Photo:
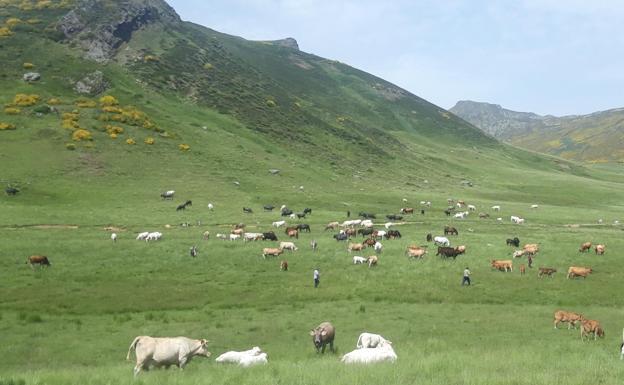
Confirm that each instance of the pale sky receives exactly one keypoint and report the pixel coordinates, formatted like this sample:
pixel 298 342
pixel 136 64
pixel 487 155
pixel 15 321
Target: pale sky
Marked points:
pixel 556 57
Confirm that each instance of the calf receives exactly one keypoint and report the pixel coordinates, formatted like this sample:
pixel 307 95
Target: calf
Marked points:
pixel 40 260
pixel 567 316
pixel 589 327
pixel 284 266
pixel 357 260
pixel 586 246
pixel 416 252
pixel 600 249
pixel 372 261
pixel 502 265
pixel 549 271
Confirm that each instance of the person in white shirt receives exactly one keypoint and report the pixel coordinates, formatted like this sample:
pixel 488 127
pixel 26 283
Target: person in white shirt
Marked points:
pixel 466 277
pixel 317 277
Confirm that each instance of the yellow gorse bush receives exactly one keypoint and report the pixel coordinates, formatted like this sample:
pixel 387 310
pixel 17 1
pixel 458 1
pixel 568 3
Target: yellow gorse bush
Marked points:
pixel 110 129
pixel 5 32
pixel 12 22
pixel 184 147
pixel 150 58
pixel 130 141
pixel 28 66
pixel 112 109
pixel 81 134
pixel 54 102
pixel 6 126
pixel 108 100
pixel 86 103
pixel 24 100
pixel 12 111
pixel 149 140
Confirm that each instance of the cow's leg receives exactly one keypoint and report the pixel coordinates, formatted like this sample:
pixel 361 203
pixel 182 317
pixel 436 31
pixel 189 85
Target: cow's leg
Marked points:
pixel 323 348
pixel 331 346
pixel 182 361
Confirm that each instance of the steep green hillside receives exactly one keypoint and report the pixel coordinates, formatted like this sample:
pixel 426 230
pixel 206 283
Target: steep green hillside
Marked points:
pixel 592 138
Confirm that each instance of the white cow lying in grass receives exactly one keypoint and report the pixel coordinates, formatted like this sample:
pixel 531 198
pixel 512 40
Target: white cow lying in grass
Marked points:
pixel 370 340
pixel 248 361
pixel 383 352
pixel 441 241
pixel 236 357
pixel 357 260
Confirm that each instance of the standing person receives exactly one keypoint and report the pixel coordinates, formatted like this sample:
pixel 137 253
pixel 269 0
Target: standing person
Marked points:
pixel 530 260
pixel 348 214
pixel 466 277
pixel 193 251
pixel 317 277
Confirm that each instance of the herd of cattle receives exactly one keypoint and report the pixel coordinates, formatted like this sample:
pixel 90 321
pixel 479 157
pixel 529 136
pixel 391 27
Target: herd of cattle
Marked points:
pixel 178 351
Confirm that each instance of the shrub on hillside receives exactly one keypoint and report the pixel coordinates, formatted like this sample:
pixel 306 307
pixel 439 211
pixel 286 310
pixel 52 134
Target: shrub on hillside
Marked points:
pixel 150 58
pixel 110 129
pixel 271 103
pixel 5 32
pixel 81 134
pixel 108 100
pixel 54 101
pixel 12 22
pixel 6 126
pixel 112 109
pixel 112 135
pixel 130 141
pixel 208 66
pixel 83 103
pixel 12 111
pixel 70 146
pixel 28 66
pixel 25 100
pixel 149 140
pixel 184 147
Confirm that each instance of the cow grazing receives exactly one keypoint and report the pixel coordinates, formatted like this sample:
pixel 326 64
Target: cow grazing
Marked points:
pixel 12 191
pixel 392 234
pixel 294 233
pixel 268 207
pixel 288 246
pixel 114 237
pixel 168 194
pixel 441 241
pixel 366 223
pixel 586 246
pixel 379 234
pixel 365 232
pixel 178 351
pixel 472 208
pixel 370 242
pixel 284 265
pixel 206 235
pixel 300 215
pixel 355 247
pixel 522 270
pixel 286 212
pixel 155 236
pixel 235 357
pixel 357 260
pixel 181 207
pixel 393 217
pixel 589 327
pixel 247 210
pixel 279 224
pixel 369 340
pixel 515 241
pixel 503 265
pixel 448 230
pixel 378 247
pixel 269 236
pixel 307 210
pixel 341 237
pixel 323 335
pixel 332 226
pixel 567 316
pixel 575 271
pixel 367 215
pixel 372 261
pixel 234 237
pixel 248 237
pixel 448 252
pixel 40 260
pixel 314 245
pixel 384 352
pixel 600 249
pixel 271 251
pixel 407 210
pixel 416 252
pixel 303 227
pixel 549 271
pixel 484 215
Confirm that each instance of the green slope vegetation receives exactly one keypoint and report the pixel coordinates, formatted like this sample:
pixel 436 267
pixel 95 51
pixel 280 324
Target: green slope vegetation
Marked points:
pixel 353 141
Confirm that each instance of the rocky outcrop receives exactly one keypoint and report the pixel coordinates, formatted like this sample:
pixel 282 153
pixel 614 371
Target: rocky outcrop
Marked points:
pixel 100 30
pixel 92 84
pixel 289 42
pixel 31 77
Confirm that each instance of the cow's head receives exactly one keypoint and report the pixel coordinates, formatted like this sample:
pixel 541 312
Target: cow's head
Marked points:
pixel 599 332
pixel 203 348
pixel 317 336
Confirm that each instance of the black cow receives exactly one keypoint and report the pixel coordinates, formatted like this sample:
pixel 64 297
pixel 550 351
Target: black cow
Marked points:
pixel 341 237
pixel 448 230
pixel 307 210
pixel 393 217
pixel 286 212
pixel 513 242
pixel 193 251
pixel 448 252
pixel 269 236
pixel 247 210
pixel 367 215
pixel 301 215
pixel 447 212
pixel 181 207
pixel 365 232
pixel 303 227
pixel 188 203
pixel 429 237
pixel 11 190
pixel 268 207
pixel 391 234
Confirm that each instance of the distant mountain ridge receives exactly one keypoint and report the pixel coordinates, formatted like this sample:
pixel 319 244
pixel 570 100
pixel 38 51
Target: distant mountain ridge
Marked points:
pixel 595 137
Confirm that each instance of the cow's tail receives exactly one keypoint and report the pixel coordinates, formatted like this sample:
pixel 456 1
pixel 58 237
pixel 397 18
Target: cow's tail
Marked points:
pixel 132 347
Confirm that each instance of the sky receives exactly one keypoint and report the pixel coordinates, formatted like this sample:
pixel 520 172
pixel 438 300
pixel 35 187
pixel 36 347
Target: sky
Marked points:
pixel 558 57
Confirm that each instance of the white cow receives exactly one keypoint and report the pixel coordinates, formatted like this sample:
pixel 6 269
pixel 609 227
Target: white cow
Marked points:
pixel 210 206
pixel 353 222
pixel 222 236
pixel 366 223
pixel 369 340
pixel 168 194
pixel 142 236
pixel 153 236
pixel 247 361
pixel 499 219
pixel 234 237
pixel 178 351
pixel 279 224
pixel 378 247
pixel 461 215
pixel 357 260
pixel 114 237
pixel 472 207
pixel 381 233
pixel 496 208
pixel 293 216
pixel 514 219
pixel 387 225
pixel 520 221
pixel 441 241
pixel 534 206
pixel 288 246
pixel 370 355
pixel 252 236
pixel 235 357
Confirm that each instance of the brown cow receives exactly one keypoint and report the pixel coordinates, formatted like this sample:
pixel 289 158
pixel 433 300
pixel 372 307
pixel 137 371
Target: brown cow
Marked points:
pixel 416 252
pixel 284 265
pixel 356 247
pixel 271 251
pixel 567 316
pixel 549 271
pixel 370 242
pixel 40 260
pixel 575 271
pixel 522 270
pixel 585 247
pixel 407 210
pixel 591 326
pixel 600 249
pixel 372 260
pixel 238 231
pixel 293 233
pixel 502 265
pixel 531 248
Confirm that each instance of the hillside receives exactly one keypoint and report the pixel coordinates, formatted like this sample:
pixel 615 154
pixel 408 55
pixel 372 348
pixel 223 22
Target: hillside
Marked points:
pixel 591 138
